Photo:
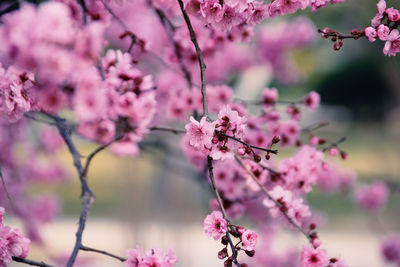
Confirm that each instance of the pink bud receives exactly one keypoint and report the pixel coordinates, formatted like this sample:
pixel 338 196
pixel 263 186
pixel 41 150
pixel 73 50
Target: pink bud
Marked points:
pixel 333 152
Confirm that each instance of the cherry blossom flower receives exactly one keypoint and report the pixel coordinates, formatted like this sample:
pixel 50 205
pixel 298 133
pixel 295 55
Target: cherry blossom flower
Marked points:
pixel 249 240
pixel 311 257
pixel 214 225
pixel 370 33
pixel 392 45
pixel 200 133
pixel 312 100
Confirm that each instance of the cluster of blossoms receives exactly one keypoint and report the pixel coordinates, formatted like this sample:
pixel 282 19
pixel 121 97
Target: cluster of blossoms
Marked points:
pixel 235 15
pixel 213 138
pixel 383 26
pixel 152 257
pixel 317 257
pixel 12 243
pixel 215 225
pixel 53 63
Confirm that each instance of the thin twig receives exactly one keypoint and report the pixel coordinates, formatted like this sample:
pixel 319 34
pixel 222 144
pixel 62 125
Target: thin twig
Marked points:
pixel 315 126
pixel 10 8
pixel 85 248
pixel 31 117
pixel 279 205
pixel 6 190
pixel 97 150
pixel 167 129
pixel 221 205
pixel 335 144
pixel 31 262
pixel 170 29
pixel 273 151
pixel 199 57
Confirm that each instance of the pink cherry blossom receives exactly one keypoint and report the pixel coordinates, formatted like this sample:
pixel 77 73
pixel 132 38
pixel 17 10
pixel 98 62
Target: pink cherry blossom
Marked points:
pixel 249 240
pixel 269 97
pixel 383 32
pixel 393 14
pixel 311 257
pixel 370 33
pixel 311 101
pixel 200 133
pixel 214 225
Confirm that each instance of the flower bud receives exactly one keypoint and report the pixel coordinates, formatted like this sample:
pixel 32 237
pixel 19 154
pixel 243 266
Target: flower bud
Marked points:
pixel 241 151
pixel 250 253
pixel 276 139
pixel 223 253
pixel 224 240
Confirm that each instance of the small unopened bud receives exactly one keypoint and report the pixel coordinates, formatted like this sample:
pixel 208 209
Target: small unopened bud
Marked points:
pixel 228 262
pixel 321 141
pixel 343 155
pixel 333 260
pixel 250 253
pixel 267 156
pixel 241 151
pixel 224 240
pixel 316 242
pixel 313 226
pixel 243 265
pixel 223 253
pixel 240 229
pixel 333 152
pixel 257 158
pixel 354 32
pixel 298 143
pixel 336 46
pixel 276 139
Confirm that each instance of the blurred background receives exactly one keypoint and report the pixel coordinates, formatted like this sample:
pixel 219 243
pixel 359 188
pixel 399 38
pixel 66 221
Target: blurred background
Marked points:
pixel 158 199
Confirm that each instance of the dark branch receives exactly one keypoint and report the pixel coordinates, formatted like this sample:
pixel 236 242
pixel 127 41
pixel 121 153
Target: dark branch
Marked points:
pixel 273 151
pixel 87 195
pixel 279 205
pixel 199 57
pixel 31 262
pixel 221 205
pixel 85 248
pixel 167 129
pixel 97 150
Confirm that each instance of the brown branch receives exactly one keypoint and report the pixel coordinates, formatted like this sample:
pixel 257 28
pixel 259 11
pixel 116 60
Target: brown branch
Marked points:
pixel 315 126
pixel 279 205
pixel 86 194
pixel 221 205
pixel 335 144
pixel 199 57
pixel 273 151
pixel 170 29
pixel 97 150
pixel 167 129
pixel 31 262
pixel 85 248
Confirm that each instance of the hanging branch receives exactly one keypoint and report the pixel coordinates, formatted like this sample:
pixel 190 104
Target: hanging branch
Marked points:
pixel 170 29
pixel 199 57
pixel 221 205
pixel 103 252
pixel 31 262
pixel 279 205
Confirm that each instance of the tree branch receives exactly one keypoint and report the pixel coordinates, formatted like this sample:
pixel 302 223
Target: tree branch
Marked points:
pixel 199 57
pixel 85 248
pixel 279 205
pixel 31 262
pixel 221 205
